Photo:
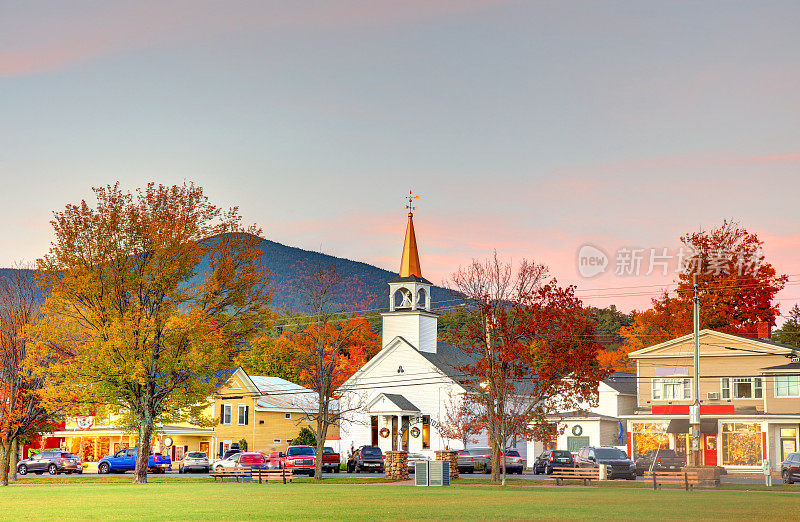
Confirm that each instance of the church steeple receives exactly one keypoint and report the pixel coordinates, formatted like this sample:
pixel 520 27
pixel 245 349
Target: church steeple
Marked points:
pixel 409 314
pixel 409 264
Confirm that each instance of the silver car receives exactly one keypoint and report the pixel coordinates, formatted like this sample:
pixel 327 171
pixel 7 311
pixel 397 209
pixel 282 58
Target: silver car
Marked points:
pixel 194 461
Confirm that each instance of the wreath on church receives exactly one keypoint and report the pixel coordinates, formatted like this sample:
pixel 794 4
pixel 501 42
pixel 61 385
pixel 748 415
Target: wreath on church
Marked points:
pixel 384 432
pixel 415 432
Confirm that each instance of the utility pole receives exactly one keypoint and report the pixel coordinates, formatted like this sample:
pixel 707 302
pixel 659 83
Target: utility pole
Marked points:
pixel 694 413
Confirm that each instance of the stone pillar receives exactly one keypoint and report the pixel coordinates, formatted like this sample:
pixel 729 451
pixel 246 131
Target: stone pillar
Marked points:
pixel 450 456
pixel 395 465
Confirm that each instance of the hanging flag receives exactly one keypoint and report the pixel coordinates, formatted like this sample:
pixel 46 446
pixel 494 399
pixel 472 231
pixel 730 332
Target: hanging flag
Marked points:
pixel 621 435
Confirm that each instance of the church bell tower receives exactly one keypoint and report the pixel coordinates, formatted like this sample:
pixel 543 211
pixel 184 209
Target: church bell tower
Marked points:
pixel 409 314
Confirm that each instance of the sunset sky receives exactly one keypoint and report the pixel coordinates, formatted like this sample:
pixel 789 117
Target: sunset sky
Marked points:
pixel 528 127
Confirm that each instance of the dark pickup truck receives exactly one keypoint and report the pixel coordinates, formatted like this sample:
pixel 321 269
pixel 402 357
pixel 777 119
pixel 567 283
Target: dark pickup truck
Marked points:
pixel 659 460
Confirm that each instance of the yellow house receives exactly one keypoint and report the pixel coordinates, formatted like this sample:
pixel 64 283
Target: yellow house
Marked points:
pixel 266 412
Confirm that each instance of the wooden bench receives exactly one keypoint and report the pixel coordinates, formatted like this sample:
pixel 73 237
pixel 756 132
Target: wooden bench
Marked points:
pixel 587 475
pixel 249 475
pixel 689 479
pixel 231 473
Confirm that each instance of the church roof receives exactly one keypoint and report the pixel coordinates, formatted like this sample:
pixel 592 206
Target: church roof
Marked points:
pixel 401 402
pixel 409 264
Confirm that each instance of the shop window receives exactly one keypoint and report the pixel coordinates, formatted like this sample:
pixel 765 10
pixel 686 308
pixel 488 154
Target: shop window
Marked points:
pixel 648 435
pixel 668 389
pixel 426 432
pixel 741 444
pixel 787 386
pixel 789 432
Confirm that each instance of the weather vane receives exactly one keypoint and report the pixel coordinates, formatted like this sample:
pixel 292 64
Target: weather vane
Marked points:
pixel 411 197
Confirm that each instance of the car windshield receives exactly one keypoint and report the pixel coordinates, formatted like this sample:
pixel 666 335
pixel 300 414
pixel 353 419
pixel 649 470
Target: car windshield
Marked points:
pixel 559 454
pixel 195 455
pixel 68 456
pixel 300 451
pixel 481 452
pixel 610 454
pixel 371 451
pixel 326 450
pixel 512 453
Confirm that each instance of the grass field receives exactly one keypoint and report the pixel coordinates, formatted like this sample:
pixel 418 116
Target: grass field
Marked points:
pixel 234 501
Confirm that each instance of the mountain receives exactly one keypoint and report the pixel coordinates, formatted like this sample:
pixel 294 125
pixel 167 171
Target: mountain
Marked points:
pixel 366 287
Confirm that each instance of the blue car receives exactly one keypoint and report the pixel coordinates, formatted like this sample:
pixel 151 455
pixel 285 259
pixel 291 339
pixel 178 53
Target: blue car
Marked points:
pixel 125 460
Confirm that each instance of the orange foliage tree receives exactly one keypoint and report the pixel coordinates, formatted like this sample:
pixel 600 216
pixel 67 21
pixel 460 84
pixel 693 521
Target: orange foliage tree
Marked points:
pixel 149 297
pixel 331 347
pixel 531 346
pixel 736 286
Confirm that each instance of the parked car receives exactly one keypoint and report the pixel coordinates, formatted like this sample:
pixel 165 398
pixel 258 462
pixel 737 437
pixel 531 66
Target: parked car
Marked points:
pixel 465 462
pixel 790 468
pixel 413 458
pixel 252 460
pixel 552 459
pixel 661 459
pixel 481 459
pixel 300 459
pixel 230 452
pixel 53 462
pixel 330 460
pixel 275 460
pixel 513 461
pixel 230 462
pixel 366 458
pixel 125 460
pixel 619 465
pixel 194 460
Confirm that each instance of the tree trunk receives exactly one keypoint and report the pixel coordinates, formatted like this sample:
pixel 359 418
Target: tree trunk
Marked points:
pixel 12 467
pixel 143 452
pixel 322 431
pixel 5 454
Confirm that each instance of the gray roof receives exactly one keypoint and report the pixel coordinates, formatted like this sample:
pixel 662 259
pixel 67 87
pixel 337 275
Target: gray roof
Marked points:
pixel 587 415
pixel 790 366
pixel 622 382
pixel 401 402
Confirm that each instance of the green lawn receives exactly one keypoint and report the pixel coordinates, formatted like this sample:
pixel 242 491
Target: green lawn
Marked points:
pixel 233 501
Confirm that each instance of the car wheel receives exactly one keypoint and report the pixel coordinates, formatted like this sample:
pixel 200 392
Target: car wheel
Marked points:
pixel 218 468
pixel 103 468
pixel 22 469
pixel 787 479
pixel 52 469
pixel 337 469
pixel 548 470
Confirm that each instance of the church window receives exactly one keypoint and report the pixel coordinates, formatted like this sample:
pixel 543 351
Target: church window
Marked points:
pixel 426 432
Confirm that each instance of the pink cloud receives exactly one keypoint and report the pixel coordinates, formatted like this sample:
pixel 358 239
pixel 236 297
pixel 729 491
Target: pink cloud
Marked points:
pixel 38 44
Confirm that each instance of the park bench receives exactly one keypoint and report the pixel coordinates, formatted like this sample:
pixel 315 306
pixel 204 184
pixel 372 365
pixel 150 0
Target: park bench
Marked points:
pixel 689 479
pixel 248 475
pixel 587 475
pixel 236 474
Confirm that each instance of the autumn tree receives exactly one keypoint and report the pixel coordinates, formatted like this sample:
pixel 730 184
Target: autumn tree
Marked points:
pixel 532 348
pixel 331 346
pixel 150 294
pixel 461 420
pixel 736 285
pixel 26 406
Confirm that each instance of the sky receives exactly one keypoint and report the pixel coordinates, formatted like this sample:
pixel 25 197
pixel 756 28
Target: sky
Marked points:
pixel 528 127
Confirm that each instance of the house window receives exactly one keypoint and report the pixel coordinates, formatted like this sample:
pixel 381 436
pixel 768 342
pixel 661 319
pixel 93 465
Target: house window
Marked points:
pixel 287 416
pixel 226 413
pixel 742 387
pixel 276 441
pixel 242 420
pixel 669 389
pixel 787 386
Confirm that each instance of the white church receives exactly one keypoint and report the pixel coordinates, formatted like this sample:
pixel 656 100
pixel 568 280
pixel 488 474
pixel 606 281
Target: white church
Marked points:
pixel 400 398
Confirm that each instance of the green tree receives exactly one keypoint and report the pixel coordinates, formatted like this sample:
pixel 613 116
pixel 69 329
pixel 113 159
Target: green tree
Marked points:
pixel 789 333
pixel 305 438
pixel 129 314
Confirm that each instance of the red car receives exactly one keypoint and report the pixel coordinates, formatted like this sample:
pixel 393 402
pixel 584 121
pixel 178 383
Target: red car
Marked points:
pixel 252 460
pixel 300 459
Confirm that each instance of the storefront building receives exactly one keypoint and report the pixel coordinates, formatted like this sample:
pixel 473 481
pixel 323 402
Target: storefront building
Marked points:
pixel 749 403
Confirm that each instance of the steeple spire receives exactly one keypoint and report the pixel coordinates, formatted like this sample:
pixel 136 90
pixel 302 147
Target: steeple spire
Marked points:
pixel 409 265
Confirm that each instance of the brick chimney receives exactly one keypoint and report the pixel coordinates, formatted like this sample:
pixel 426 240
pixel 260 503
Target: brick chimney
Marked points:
pixel 764 330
